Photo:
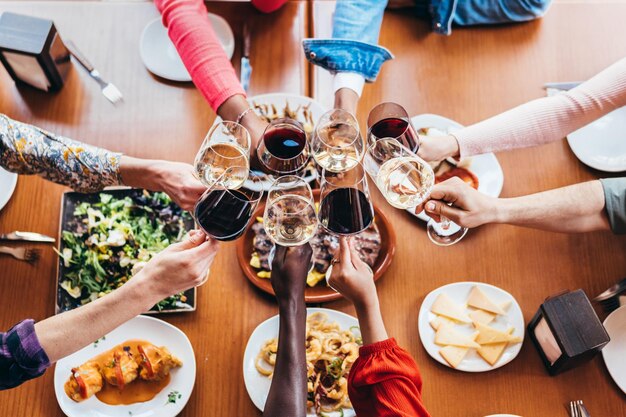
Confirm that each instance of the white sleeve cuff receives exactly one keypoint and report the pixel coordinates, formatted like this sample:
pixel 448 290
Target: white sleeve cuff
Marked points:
pixel 351 80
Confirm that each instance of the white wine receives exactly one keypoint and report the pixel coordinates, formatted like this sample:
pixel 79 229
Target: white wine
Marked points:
pixel 337 159
pixel 213 161
pixel 290 220
pixel 405 181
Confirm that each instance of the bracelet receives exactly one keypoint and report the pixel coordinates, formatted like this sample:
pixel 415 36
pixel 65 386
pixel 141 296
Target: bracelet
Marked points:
pixel 243 114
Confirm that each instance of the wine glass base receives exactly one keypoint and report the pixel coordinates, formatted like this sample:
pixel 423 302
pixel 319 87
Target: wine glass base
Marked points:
pixel 445 237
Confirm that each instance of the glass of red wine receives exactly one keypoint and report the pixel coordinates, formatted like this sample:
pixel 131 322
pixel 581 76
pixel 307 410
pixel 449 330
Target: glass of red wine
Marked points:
pixel 390 120
pixel 284 148
pixel 345 206
pixel 225 213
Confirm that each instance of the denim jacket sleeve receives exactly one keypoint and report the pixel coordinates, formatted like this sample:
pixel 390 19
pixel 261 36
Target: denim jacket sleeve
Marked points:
pixel 353 47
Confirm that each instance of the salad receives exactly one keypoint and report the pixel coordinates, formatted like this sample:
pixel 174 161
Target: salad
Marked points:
pixel 110 238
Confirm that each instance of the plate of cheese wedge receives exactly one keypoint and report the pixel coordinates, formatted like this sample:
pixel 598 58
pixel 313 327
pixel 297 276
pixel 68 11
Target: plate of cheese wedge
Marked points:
pixel 471 326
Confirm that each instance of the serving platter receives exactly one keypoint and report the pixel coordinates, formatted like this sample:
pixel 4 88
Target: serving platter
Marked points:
pixel 613 352
pixel 167 403
pixel 69 202
pixel 320 293
pixel 257 385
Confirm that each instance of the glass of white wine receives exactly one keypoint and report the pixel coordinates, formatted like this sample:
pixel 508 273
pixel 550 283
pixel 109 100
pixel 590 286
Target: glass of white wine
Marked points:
pixel 337 144
pixel 225 149
pixel 289 217
pixel 406 181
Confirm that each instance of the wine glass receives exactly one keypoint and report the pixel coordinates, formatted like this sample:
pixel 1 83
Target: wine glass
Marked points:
pixel 337 144
pixel 225 147
pixel 284 148
pixel 345 207
pixel 289 217
pixel 406 181
pixel 390 120
pixel 225 213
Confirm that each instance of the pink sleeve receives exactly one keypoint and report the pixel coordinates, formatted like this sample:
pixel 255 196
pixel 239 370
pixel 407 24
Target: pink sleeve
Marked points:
pixel 549 118
pixel 191 32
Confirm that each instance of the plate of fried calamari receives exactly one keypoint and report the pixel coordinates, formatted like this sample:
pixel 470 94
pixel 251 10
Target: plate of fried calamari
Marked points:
pixel 482 172
pixel 145 367
pixel 376 245
pixel 332 346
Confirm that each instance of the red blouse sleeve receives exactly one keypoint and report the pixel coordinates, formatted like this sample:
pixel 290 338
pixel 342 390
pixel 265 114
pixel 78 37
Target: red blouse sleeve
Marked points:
pixel 191 32
pixel 384 382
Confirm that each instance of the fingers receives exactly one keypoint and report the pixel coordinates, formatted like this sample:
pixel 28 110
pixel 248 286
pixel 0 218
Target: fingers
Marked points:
pixel 344 251
pixel 436 209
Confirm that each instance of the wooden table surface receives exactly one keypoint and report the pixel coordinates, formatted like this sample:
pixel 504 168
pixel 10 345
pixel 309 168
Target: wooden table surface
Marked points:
pixel 469 76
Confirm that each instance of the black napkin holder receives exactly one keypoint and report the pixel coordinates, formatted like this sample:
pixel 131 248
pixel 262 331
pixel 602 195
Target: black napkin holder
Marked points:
pixel 33 52
pixel 567 332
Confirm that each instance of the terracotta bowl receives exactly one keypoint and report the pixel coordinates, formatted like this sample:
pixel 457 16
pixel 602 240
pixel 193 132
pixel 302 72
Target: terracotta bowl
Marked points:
pixel 321 292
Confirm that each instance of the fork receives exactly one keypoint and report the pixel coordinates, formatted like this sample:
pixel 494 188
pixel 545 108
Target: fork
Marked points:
pixel 110 91
pixel 574 411
pixel 582 409
pixel 23 254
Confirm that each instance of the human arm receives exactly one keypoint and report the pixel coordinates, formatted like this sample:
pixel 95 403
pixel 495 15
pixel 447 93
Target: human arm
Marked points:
pixel 537 122
pixel 27 349
pixel 288 392
pixel 384 381
pixel 574 209
pixel 190 30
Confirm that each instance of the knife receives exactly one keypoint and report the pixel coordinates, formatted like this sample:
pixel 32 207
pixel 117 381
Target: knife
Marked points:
pixel 27 237
pixel 564 86
pixel 246 68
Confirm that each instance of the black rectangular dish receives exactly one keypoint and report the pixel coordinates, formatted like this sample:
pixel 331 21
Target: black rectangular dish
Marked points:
pixel 105 237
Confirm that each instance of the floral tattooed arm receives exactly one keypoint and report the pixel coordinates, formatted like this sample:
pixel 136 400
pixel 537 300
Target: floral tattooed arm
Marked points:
pixel 26 149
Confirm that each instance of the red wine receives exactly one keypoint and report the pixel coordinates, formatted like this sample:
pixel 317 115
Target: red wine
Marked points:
pixel 397 128
pixel 285 143
pixel 346 211
pixel 224 214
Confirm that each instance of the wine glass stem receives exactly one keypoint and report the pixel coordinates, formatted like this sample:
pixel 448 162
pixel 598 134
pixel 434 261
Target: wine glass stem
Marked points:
pixel 444 222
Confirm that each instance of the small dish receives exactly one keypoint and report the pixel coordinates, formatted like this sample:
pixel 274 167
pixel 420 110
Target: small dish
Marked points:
pixel 8 180
pixel 601 144
pixel 613 352
pixel 146 328
pixel 486 166
pixel 159 54
pixel 257 385
pixel 459 292
pixel 320 293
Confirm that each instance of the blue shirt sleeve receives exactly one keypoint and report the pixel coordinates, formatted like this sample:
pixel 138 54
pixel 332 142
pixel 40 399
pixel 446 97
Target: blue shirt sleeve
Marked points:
pixel 615 203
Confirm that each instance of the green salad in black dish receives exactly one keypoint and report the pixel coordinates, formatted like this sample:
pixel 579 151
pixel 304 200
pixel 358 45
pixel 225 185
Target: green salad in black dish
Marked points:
pixel 107 237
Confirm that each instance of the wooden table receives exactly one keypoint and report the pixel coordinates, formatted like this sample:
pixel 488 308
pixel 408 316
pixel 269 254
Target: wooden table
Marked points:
pixel 158 120
pixel 469 76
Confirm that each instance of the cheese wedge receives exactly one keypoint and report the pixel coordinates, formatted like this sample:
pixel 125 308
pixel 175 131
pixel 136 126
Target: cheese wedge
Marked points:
pixel 482 316
pixel 477 298
pixel 440 320
pixel 491 353
pixel 444 306
pixel 488 335
pixel 446 335
pixel 454 354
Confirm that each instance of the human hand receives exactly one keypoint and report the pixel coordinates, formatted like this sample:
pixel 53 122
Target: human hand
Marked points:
pixel 346 99
pixel 179 181
pixel 289 270
pixel 179 267
pixel 437 148
pixel 352 277
pixel 470 208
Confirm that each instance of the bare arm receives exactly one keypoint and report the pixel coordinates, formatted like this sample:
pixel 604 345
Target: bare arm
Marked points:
pixel 573 209
pixel 177 268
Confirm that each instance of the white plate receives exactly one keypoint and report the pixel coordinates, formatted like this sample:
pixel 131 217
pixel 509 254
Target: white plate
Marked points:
pixel 7 186
pixel 503 415
pixel 458 292
pixel 486 166
pixel 613 352
pixel 146 328
pixel 159 54
pixel 280 100
pixel 602 143
pixel 257 385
